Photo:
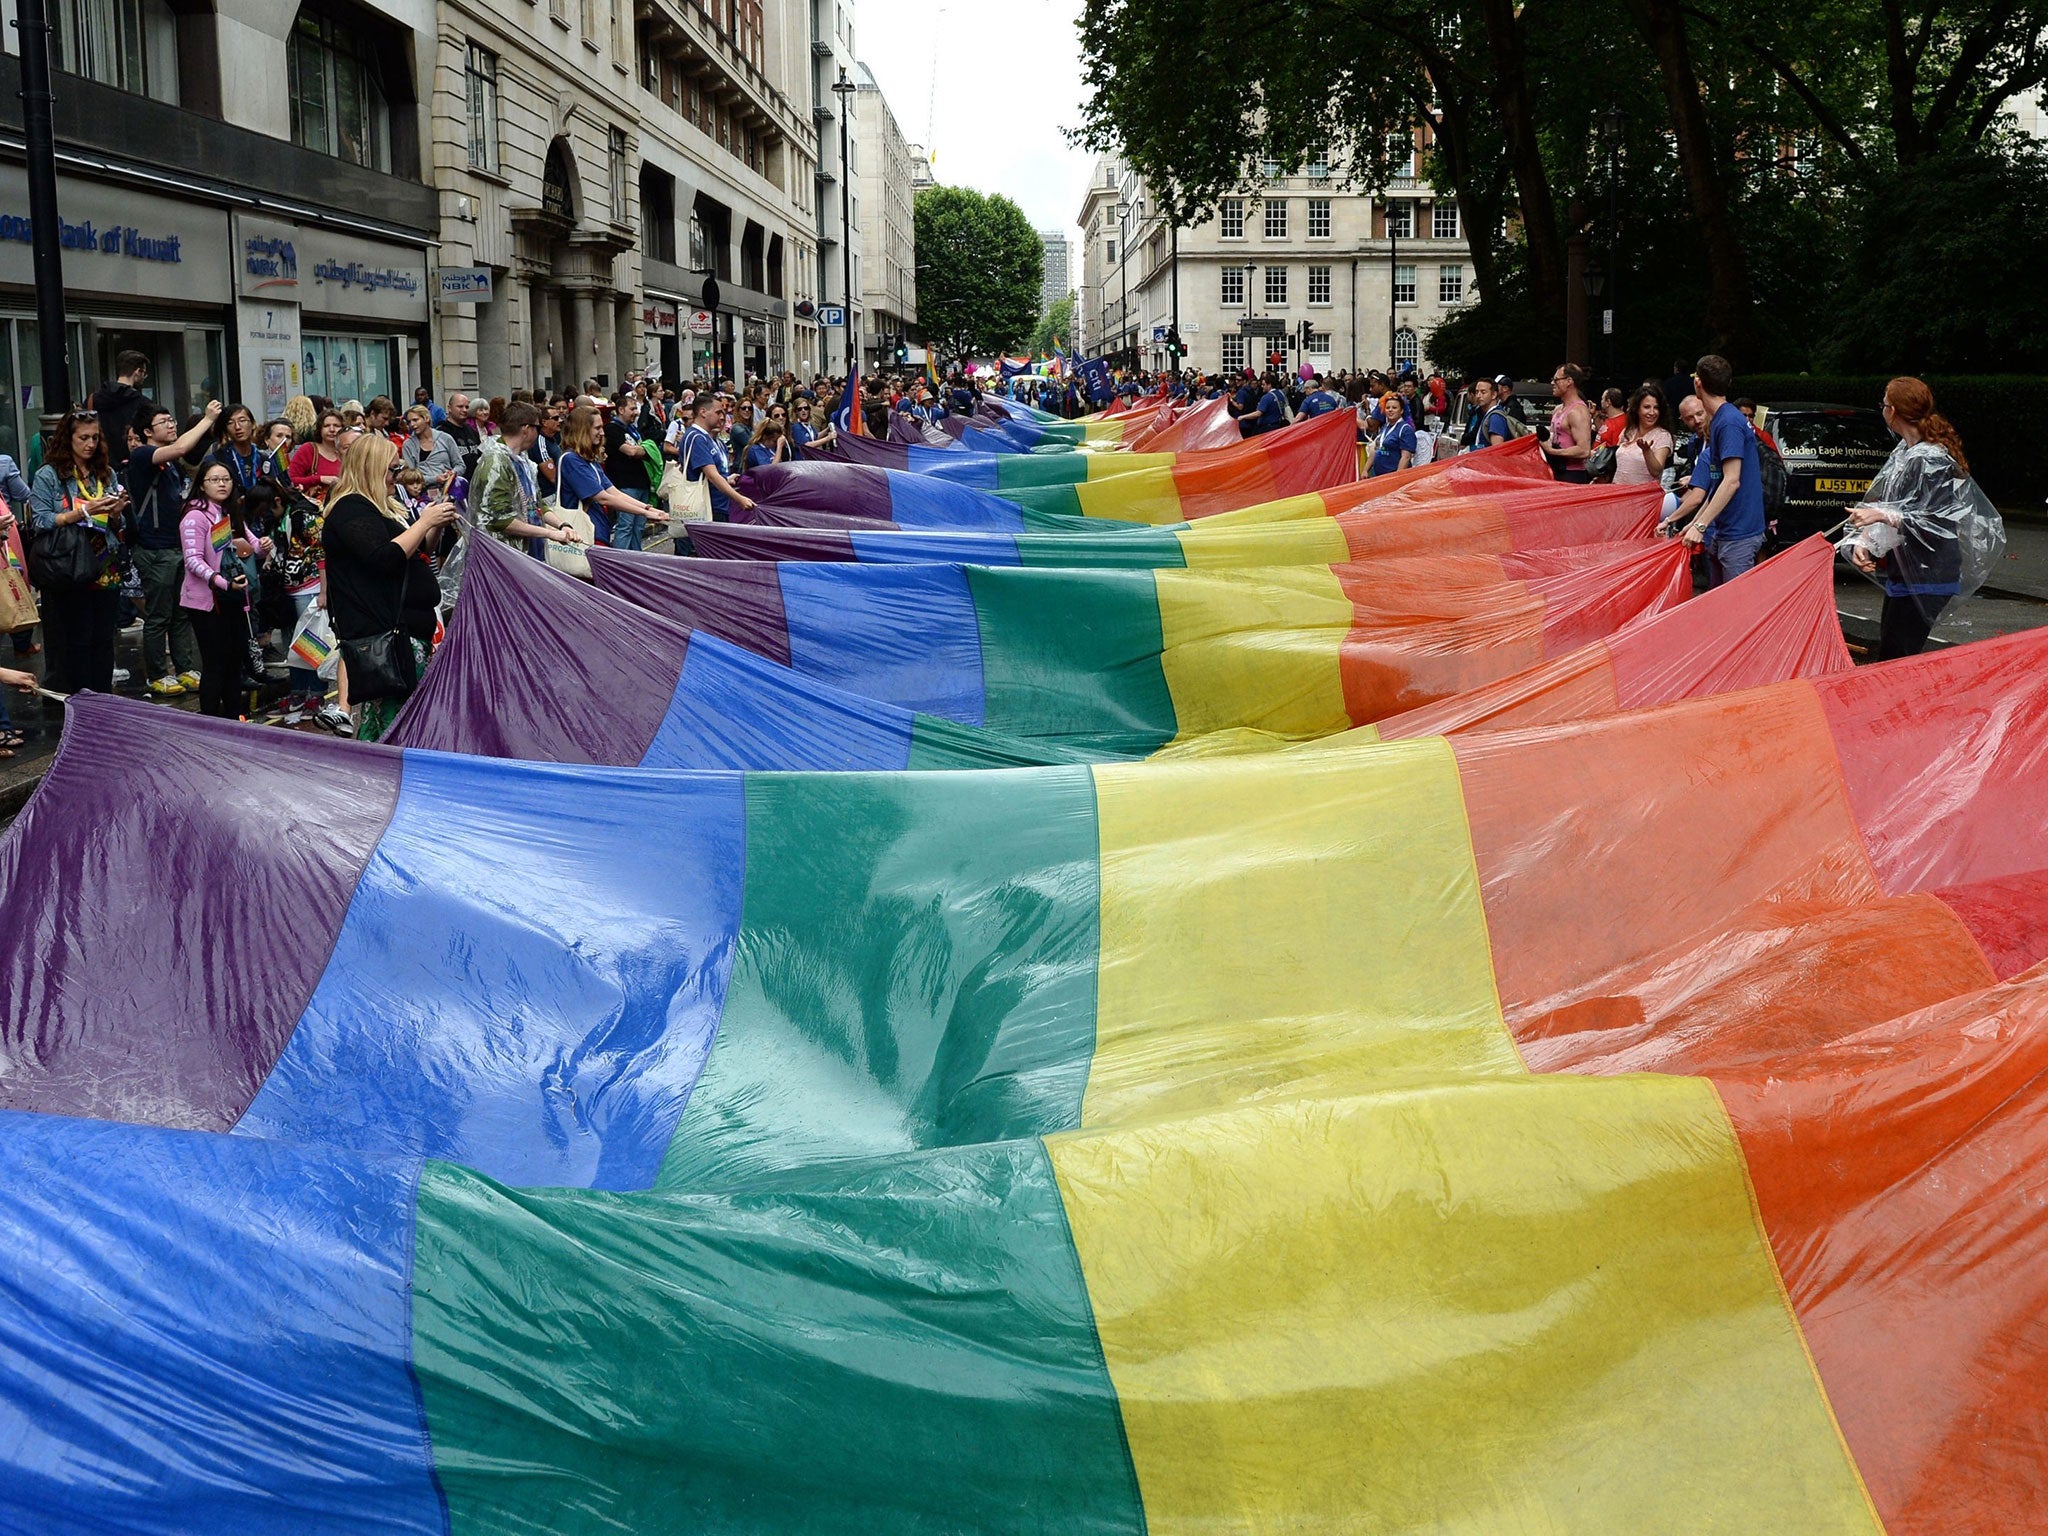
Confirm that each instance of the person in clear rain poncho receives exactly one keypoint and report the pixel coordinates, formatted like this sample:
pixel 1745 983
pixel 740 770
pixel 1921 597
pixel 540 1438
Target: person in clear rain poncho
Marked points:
pixel 1924 529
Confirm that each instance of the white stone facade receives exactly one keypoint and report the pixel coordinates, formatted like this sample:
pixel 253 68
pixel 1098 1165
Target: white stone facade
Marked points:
pixel 888 234
pixel 1319 253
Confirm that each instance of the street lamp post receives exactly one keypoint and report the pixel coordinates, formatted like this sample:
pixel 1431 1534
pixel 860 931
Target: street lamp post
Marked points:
pixel 1123 272
pixel 46 251
pixel 1393 290
pixel 1613 123
pixel 1250 270
pixel 844 88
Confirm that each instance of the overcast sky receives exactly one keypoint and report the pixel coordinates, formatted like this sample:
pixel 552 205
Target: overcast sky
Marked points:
pixel 992 82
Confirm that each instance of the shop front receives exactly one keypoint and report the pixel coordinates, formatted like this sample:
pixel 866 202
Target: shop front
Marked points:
pixel 660 325
pixel 142 273
pixel 324 311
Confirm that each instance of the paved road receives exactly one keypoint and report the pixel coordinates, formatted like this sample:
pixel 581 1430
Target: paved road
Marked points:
pixel 2016 596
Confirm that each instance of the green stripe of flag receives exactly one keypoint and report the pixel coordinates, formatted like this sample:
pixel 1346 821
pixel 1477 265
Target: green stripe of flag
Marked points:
pixel 915 967
pixel 904 1346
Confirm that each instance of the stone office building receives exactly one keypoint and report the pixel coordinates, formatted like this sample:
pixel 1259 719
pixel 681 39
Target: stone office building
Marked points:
pixel 242 194
pixel 1299 266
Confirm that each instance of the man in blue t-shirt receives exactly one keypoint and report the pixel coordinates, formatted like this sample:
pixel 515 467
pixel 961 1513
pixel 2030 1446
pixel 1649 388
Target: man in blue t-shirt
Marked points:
pixel 1319 401
pixel 1272 407
pixel 704 456
pixel 1730 522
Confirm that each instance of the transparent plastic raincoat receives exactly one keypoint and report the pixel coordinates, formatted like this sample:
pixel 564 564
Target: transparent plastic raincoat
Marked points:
pixel 1941 536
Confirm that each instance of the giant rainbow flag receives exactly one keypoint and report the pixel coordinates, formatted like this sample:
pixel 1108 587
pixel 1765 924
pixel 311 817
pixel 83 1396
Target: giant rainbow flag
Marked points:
pixel 1119 1149
pixel 1163 487
pixel 653 693
pixel 1125 662
pixel 1325 528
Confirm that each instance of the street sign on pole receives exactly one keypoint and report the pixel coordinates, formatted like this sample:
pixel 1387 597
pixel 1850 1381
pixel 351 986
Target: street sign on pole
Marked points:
pixel 830 315
pixel 1606 322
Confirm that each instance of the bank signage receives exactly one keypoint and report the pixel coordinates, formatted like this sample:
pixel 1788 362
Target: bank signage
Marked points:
pixel 118 241
pixel 266 259
pixel 466 285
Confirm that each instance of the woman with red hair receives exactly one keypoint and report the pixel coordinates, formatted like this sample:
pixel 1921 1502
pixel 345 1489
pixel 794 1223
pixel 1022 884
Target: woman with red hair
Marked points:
pixel 1924 529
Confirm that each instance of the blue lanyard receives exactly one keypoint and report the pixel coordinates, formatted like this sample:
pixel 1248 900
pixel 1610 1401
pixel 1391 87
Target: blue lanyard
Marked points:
pixel 245 473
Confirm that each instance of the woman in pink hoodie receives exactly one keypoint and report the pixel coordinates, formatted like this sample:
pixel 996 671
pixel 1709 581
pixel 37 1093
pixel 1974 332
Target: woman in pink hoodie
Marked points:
pixel 220 551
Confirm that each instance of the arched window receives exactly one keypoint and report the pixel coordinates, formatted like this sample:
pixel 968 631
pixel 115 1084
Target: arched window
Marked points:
pixel 1406 351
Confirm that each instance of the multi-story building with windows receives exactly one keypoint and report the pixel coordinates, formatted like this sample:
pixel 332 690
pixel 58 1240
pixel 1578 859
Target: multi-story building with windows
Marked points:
pixel 1059 278
pixel 353 197
pixel 1300 267
pixel 245 194
pixel 839 161
pixel 888 235
pixel 726 181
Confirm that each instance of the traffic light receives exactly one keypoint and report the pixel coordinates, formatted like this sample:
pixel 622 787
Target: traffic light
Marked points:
pixel 1304 335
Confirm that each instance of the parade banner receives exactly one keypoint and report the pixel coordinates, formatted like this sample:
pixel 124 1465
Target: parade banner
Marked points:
pixel 1522 515
pixel 1122 663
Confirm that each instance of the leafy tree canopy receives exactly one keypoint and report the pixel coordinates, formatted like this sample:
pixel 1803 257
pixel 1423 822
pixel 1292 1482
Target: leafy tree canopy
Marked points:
pixel 1758 145
pixel 1055 325
pixel 980 268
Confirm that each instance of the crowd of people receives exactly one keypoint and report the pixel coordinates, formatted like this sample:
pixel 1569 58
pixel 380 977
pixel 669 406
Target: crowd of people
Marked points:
pixel 235 543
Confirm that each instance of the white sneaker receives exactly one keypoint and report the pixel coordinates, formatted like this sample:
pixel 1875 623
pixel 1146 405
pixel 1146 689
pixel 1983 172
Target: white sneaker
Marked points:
pixel 121 675
pixel 336 719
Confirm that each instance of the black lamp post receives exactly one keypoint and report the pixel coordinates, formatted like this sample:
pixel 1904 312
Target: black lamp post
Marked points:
pixel 844 88
pixel 1123 272
pixel 1613 125
pixel 45 249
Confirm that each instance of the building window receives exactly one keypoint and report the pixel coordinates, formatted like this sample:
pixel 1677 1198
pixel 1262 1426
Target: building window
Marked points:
pixel 1233 285
pixel 1276 285
pixel 1276 219
pixel 1109 253
pixel 1443 221
pixel 1405 349
pixel 1319 285
pixel 480 85
pixel 1269 170
pixel 1319 343
pixel 615 147
pixel 1233 354
pixel 1404 285
pixel 1450 285
pixel 1232 219
pixel 1401 156
pixel 697 245
pixel 338 103
pixel 1319 170
pixel 131 45
pixel 1319 218
pixel 1401 219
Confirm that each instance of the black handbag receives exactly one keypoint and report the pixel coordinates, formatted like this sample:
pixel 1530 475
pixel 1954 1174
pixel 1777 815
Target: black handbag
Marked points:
pixel 383 665
pixel 1600 462
pixel 63 557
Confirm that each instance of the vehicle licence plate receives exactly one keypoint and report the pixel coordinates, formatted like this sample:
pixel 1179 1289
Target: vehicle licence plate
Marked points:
pixel 1845 487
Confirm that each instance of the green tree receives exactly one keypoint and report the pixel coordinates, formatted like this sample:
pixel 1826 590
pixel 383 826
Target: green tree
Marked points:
pixel 1055 325
pixel 1759 143
pixel 980 268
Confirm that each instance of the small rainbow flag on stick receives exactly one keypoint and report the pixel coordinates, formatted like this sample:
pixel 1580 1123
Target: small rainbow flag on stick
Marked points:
pixel 311 649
